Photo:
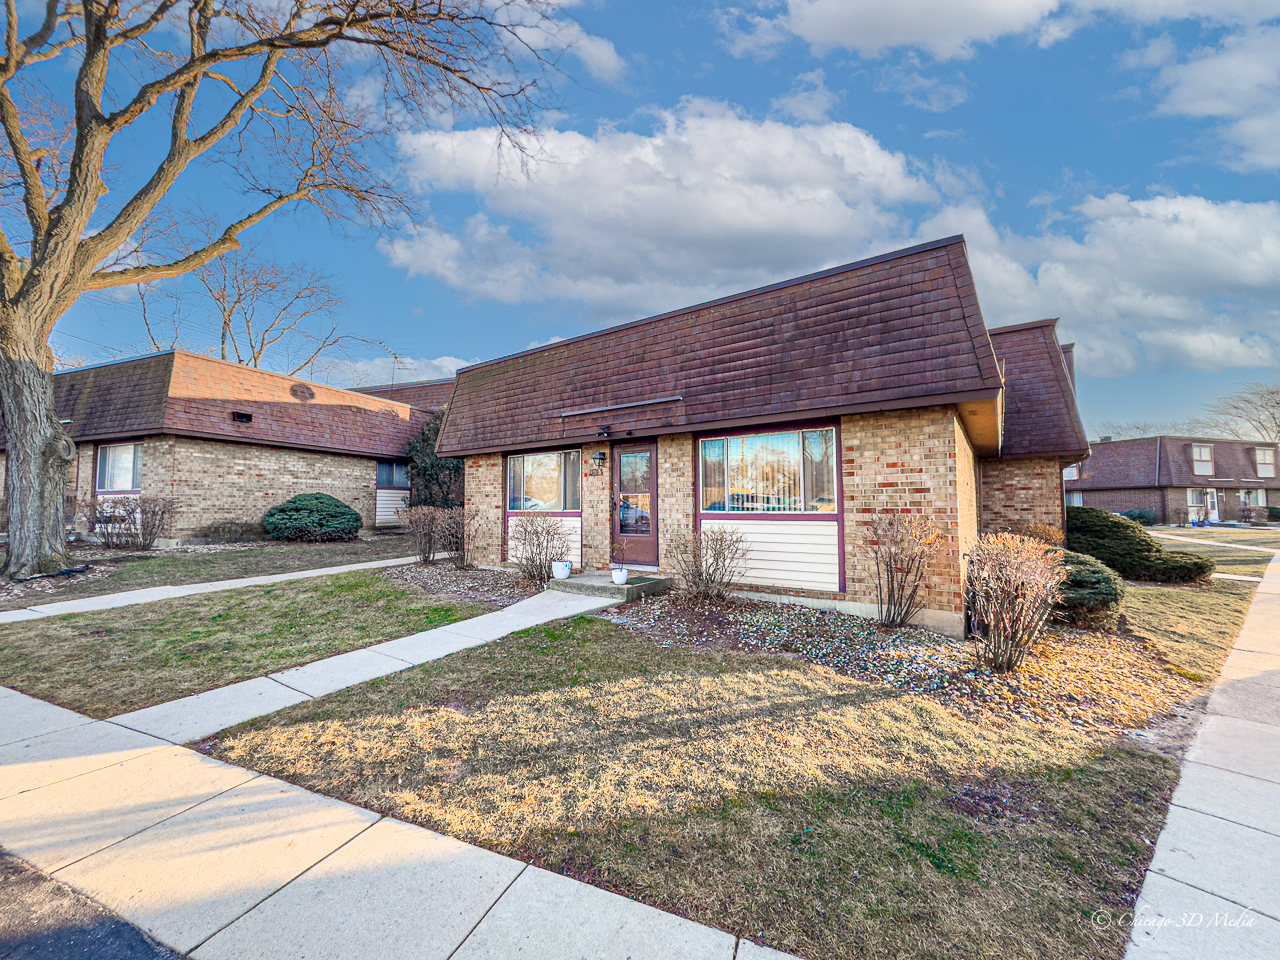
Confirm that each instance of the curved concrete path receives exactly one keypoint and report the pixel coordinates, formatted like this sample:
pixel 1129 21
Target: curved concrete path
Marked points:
pixel 1213 888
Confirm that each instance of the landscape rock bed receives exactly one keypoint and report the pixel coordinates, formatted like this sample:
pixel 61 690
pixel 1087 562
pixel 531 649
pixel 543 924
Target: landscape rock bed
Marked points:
pixel 1079 679
pixel 477 585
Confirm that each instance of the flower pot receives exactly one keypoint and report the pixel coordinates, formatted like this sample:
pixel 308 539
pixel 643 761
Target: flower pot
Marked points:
pixel 560 569
pixel 620 575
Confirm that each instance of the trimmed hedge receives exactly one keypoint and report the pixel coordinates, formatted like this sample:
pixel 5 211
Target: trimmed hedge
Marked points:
pixel 1091 594
pixel 1129 550
pixel 313 517
pixel 1145 517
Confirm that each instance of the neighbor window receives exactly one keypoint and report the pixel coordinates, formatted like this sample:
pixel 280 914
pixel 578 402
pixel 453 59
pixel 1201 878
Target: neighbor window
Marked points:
pixel 1075 498
pixel 1071 473
pixel 1195 497
pixel 394 475
pixel 1202 459
pixel 120 468
pixel 545 481
pixel 1265 460
pixel 1253 498
pixel 787 472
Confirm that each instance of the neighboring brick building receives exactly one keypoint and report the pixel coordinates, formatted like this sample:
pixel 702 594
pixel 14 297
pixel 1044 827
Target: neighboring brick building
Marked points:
pixel 1179 478
pixel 229 441
pixel 792 414
pixel 423 394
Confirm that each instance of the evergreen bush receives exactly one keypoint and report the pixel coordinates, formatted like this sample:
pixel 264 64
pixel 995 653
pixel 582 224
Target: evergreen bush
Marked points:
pixel 313 517
pixel 1145 517
pixel 1091 594
pixel 1129 550
pixel 1273 514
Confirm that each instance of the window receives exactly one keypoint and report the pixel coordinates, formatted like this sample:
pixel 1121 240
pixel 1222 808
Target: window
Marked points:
pixel 1253 498
pixel 1075 498
pixel 239 417
pixel 1265 460
pixel 1202 459
pixel 120 468
pixel 1195 497
pixel 545 481
pixel 1071 473
pixel 791 472
pixel 394 475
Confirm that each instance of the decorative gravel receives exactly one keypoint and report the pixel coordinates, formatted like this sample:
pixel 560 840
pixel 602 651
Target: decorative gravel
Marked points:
pixel 442 579
pixel 1070 678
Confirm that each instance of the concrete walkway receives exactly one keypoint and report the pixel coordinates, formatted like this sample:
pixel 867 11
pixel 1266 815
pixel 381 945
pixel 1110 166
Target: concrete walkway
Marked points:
pixel 128 598
pixel 1213 888
pixel 1214 543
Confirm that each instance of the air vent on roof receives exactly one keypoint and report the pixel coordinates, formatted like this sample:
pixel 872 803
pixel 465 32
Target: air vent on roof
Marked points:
pixel 239 417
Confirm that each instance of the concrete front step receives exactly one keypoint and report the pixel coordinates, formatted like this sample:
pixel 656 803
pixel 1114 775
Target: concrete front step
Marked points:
pixel 602 585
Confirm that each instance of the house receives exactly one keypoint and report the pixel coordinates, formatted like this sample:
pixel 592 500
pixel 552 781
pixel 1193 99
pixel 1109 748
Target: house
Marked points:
pixel 423 394
pixel 793 414
pixel 229 441
pixel 1178 478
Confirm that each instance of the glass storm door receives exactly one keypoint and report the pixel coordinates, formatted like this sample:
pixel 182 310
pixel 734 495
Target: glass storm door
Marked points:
pixel 1211 503
pixel 635 501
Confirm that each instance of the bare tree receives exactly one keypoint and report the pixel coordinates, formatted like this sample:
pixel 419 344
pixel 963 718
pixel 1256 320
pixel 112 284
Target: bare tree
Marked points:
pixel 106 106
pixel 1250 412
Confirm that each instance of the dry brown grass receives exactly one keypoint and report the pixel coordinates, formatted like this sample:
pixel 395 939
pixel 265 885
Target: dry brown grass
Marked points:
pixel 774 798
pixel 1267 537
pixel 1246 563
pixel 112 661
pixel 1192 627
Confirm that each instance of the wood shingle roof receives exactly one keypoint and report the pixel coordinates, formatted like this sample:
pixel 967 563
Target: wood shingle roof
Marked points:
pixel 1040 415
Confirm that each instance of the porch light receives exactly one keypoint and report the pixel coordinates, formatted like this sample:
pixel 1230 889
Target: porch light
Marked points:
pixel 599 459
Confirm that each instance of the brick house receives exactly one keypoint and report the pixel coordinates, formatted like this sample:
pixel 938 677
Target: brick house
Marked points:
pixel 229 441
pixel 1178 478
pixel 792 413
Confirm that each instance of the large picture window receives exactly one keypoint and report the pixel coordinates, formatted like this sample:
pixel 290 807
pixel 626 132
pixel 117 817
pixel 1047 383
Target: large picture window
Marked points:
pixel 545 481
pixel 791 471
pixel 120 468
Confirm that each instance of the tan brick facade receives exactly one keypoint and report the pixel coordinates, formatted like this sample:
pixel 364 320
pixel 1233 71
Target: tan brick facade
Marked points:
pixel 484 485
pixel 675 493
pixel 597 518
pixel 1021 491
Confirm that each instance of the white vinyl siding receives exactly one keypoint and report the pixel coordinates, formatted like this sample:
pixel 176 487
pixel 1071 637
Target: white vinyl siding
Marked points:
pixel 796 554
pixel 572 528
pixel 389 501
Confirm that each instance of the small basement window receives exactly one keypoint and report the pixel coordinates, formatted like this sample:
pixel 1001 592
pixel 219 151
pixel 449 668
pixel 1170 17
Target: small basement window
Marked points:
pixel 239 417
pixel 394 476
pixel 1265 460
pixel 1202 459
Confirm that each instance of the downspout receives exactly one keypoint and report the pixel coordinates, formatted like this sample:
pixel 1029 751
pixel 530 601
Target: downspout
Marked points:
pixel 1164 506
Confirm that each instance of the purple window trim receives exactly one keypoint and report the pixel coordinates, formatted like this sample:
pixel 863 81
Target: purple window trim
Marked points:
pixel 838 515
pixel 543 513
pixel 832 515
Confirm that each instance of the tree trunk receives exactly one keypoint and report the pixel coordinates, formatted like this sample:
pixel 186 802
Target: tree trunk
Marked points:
pixel 38 452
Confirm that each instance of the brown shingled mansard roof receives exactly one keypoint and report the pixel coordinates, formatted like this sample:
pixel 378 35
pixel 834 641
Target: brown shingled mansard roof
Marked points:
pixel 895 331
pixel 423 394
pixel 1165 461
pixel 190 395
pixel 1040 415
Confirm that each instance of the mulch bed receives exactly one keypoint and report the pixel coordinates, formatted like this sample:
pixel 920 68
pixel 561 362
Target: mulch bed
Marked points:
pixel 1081 679
pixel 477 585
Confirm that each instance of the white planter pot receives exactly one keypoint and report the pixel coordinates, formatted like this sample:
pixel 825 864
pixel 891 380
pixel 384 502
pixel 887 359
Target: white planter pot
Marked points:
pixel 620 575
pixel 560 569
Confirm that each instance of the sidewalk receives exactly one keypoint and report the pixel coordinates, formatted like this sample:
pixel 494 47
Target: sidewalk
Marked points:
pixel 1214 543
pixel 1213 888
pixel 128 598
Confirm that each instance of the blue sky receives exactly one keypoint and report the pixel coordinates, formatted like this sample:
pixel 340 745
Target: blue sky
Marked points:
pixel 1111 163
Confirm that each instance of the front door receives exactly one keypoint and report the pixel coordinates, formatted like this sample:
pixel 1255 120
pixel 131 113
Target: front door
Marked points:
pixel 1211 504
pixel 635 502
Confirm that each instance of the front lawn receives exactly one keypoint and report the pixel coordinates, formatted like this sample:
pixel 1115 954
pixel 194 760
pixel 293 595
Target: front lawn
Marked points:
pixel 112 661
pixel 117 571
pixel 795 778
pixel 1267 537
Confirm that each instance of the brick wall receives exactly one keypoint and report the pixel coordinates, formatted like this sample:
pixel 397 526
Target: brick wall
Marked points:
pixel 967 481
pixel 675 493
pixel 1142 498
pixel 485 493
pixel 1021 491
pixel 909 461
pixel 597 516
pixel 220 485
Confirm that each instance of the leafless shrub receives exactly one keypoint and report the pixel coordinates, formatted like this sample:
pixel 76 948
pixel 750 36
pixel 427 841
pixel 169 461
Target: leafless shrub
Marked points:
pixel 536 541
pixel 1229 510
pixel 134 522
pixel 901 546
pixel 1011 585
pixel 1179 515
pixel 710 561
pixel 427 526
pixel 459 535
pixel 1046 533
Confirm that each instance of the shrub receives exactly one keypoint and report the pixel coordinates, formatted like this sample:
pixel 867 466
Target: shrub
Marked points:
pixel 314 517
pixel 1091 593
pixel 434 481
pixel 133 522
pixel 1145 517
pixel 459 535
pixel 536 540
pixel 1046 533
pixel 426 526
pixel 1011 586
pixel 901 546
pixel 710 562
pixel 1129 550
pixel 1273 514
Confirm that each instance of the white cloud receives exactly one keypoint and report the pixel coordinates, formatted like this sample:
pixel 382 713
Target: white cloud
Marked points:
pixel 561 35
pixel 379 370
pixel 951 28
pixel 918 90
pixel 809 99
